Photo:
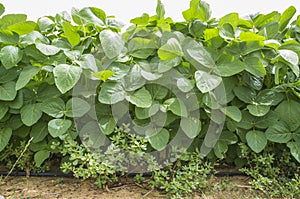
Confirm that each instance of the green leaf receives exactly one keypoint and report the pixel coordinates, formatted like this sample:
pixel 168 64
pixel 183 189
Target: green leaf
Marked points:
pixel 159 140
pixel 160 10
pixel 2 10
pixel 279 133
pixel 256 140
pixel 229 66
pixel 190 126
pixel 227 32
pixel 134 80
pixel 8 91
pixel 295 149
pixel 251 36
pixel 5 135
pixel 206 82
pixel 185 85
pixel 141 98
pixel 176 106
pixel 70 33
pixel 231 18
pixel 39 131
pixel 8 36
pixel 220 148
pixel 66 76
pixel 30 114
pixel 45 24
pixel 228 137
pixel 258 110
pixel 89 15
pixel 103 75
pixel 255 66
pixel 25 76
pixel 10 56
pixel 3 110
pixel 245 94
pixel 120 70
pixel 10 19
pixel 143 20
pixel 144 113
pixel 58 127
pixel 198 10
pixel 47 49
pixel 54 107
pixel 289 111
pixel 112 43
pixel 107 125
pixel 286 16
pixel 111 93
pixel 197 55
pixel 233 112
pixel 23 28
pixel 292 59
pixel 157 91
pixel 170 50
pixel 40 157
pixel 77 107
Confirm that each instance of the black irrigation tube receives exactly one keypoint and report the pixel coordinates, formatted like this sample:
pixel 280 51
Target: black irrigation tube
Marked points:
pixel 149 174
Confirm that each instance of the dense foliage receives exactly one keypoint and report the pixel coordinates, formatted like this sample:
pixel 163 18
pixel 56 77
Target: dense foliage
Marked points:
pixel 207 85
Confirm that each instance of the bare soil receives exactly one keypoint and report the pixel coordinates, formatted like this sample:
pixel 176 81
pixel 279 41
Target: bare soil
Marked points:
pixel 67 188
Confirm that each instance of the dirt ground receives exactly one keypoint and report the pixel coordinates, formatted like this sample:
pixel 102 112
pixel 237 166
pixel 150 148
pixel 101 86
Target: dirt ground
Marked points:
pixel 70 188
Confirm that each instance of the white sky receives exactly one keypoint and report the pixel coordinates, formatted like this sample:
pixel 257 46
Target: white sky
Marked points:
pixel 125 10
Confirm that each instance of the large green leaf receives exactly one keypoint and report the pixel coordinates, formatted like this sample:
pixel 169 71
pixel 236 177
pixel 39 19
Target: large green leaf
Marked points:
pixel 289 111
pixel 58 127
pixel 66 76
pixel 206 82
pixel 227 67
pixel 107 125
pixel 23 27
pixel 233 112
pixel 25 76
pixel 54 107
pixel 144 113
pixel 111 93
pixel 40 157
pixel 160 139
pixel 258 110
pixel 195 53
pixel 10 19
pixel 160 10
pixel 227 31
pixel 39 131
pixel 141 98
pixel 10 56
pixel 3 110
pixel 112 43
pixel 176 106
pixel 5 135
pixel 295 149
pixel 8 91
pixel 191 126
pixel 47 49
pixel 256 140
pixel 292 59
pixel 70 33
pixel 76 107
pixel 89 15
pixel 286 16
pixel 30 114
pixel 170 50
pixel 255 66
pixel 198 10
pixel 245 94
pixel 279 132
pixel 134 80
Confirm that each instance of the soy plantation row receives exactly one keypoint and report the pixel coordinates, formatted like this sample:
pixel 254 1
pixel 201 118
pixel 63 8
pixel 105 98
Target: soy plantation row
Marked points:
pixel 203 84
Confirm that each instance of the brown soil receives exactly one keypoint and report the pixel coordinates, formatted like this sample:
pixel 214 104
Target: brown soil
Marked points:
pixel 67 188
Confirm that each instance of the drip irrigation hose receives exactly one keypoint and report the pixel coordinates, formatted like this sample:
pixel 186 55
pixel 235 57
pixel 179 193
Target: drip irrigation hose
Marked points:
pixel 149 174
